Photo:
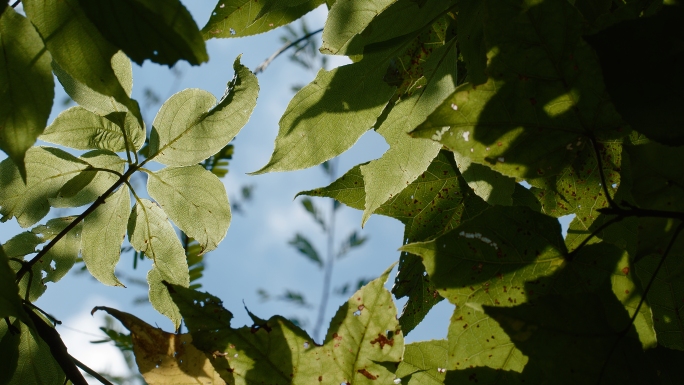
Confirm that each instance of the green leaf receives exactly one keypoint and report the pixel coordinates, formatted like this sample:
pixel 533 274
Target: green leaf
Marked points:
pixel 326 117
pixel 10 302
pixel 313 210
pixel 195 200
pixel 238 18
pixel 544 95
pixel 82 129
pixel 470 30
pixel 162 31
pixel 665 297
pixel 48 169
pixel 27 86
pixel 101 180
pixel 434 203
pixel 57 262
pixel 363 344
pixel 78 48
pixel 424 363
pixel 347 19
pixel 26 358
pixel 408 158
pixel 649 104
pixel 149 231
pixel 488 184
pixel 77 183
pixel 382 29
pixel 305 247
pixel 191 127
pixel 103 232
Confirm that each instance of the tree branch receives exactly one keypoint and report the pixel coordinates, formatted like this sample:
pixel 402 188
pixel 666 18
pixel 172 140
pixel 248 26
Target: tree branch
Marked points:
pixel 262 67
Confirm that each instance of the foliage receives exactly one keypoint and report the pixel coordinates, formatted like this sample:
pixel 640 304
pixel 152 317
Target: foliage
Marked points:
pixel 577 99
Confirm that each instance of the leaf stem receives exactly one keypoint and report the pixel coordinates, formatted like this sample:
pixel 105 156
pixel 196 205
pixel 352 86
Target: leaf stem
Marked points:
pixel 16 3
pixel 93 373
pixel 599 164
pixel 262 67
pixel 572 254
pixel 99 201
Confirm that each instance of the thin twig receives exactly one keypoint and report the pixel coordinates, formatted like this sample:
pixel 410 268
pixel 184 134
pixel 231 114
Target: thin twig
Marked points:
pixel 624 332
pixel 262 67
pixel 99 201
pixel 572 254
pixel 16 3
pixel 93 373
pixel 599 164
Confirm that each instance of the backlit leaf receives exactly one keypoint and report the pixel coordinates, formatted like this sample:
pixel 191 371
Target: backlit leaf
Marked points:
pixel 149 231
pixel 48 169
pixel 103 232
pixel 10 302
pixel 191 126
pixel 195 200
pixel 488 184
pixel 346 20
pixel 161 31
pixel 27 86
pixel 82 129
pixel 424 363
pixel 78 48
pixel 237 18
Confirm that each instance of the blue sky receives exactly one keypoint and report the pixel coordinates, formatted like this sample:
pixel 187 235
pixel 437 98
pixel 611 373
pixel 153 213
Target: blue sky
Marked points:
pixel 254 255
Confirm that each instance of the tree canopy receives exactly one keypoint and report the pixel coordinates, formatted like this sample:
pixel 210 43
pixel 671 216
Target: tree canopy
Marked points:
pixel 500 116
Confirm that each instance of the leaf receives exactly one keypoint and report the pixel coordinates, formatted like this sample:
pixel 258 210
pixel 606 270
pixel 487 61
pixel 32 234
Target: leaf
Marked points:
pixel 238 18
pixel 382 29
pixel 470 30
pixel 357 348
pixel 407 158
pixel 347 19
pixel 582 341
pixel 648 104
pixel 665 298
pixel 27 86
pixel 149 231
pixel 10 302
pixel 103 233
pixel 353 241
pixel 313 210
pixel 191 127
pixel 306 249
pixel 54 264
pixel 82 129
pixel 195 200
pixel 100 182
pixel 47 170
pixel 165 358
pixel 544 94
pixel 161 31
pixel 491 186
pixel 78 48
pixel 424 363
pixel 320 124
pixel 434 203
pixel 26 358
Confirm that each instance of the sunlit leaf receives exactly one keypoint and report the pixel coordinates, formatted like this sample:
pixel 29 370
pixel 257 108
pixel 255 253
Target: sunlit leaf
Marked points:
pixel 48 169
pixel 348 19
pixel 302 244
pixel 237 18
pixel 191 126
pixel 424 363
pixel 195 200
pixel 166 358
pixel 27 86
pixel 82 129
pixel 320 124
pixel 103 232
pixel 78 48
pixel 161 31
pixel 362 346
pixel 149 231
pixel 101 180
pixel 543 96
pixel 26 359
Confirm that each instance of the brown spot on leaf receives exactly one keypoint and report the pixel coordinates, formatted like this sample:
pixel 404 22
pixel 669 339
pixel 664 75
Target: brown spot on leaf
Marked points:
pixel 382 340
pixel 367 374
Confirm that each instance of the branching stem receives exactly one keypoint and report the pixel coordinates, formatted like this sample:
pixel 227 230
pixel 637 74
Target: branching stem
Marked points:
pixel 262 67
